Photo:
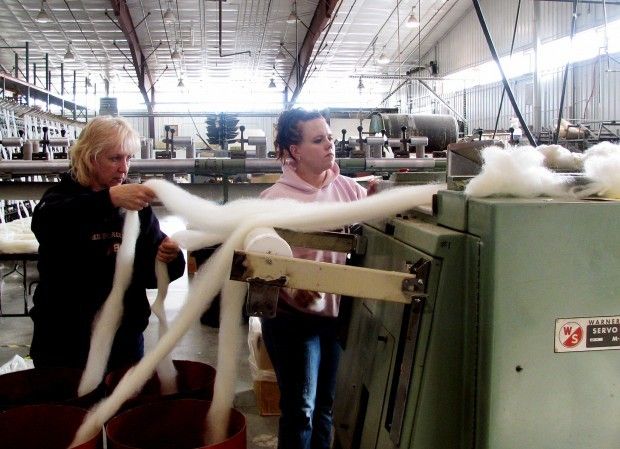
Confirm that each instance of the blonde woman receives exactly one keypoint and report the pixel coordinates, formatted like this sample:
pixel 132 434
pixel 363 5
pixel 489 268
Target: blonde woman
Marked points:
pixel 79 226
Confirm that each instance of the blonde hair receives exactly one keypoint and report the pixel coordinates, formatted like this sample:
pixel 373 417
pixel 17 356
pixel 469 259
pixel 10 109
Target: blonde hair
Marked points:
pixel 99 134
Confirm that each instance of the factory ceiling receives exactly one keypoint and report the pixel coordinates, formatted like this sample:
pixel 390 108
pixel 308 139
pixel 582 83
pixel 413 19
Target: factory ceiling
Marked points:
pixel 133 44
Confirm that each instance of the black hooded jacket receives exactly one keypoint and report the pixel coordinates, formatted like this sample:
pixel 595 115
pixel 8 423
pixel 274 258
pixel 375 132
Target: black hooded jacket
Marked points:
pixel 79 233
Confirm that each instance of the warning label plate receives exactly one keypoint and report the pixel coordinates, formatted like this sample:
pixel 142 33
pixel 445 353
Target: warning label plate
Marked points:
pixel 587 334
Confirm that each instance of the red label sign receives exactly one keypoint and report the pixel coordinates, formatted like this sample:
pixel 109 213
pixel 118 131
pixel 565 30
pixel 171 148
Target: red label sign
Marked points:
pixel 570 334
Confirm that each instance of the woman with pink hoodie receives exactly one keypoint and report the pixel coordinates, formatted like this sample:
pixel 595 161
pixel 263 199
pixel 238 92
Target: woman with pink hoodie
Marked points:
pixel 301 339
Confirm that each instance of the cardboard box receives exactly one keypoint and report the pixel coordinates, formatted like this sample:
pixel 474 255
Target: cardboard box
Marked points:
pixel 263 362
pixel 267 397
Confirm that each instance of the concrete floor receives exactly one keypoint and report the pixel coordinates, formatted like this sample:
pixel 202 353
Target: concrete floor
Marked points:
pixel 199 344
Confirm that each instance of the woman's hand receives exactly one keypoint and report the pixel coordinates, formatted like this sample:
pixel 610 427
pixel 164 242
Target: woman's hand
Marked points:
pixel 304 298
pixel 168 250
pixel 131 196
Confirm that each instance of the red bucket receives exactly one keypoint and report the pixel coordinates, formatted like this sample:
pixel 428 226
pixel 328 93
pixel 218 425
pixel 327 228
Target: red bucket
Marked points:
pixel 194 381
pixel 173 424
pixel 44 386
pixel 43 426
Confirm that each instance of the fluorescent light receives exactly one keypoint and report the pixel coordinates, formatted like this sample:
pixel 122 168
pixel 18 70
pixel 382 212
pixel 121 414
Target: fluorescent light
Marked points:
pixel 383 59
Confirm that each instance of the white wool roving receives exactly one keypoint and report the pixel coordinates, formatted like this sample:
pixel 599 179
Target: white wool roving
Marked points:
pixel 212 275
pixel 602 167
pixel 192 240
pixel 515 171
pixel 558 157
pixel 602 149
pixel 109 317
pixel 166 371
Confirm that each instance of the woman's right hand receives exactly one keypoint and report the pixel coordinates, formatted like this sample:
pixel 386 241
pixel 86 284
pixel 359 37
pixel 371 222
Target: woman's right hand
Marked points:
pixel 131 196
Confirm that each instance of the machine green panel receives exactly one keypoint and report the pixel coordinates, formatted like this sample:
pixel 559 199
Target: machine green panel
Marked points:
pixel 486 374
pixel 435 380
pixel 542 260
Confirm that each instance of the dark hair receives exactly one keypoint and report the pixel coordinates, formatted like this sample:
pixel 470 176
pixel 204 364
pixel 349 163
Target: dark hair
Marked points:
pixel 288 132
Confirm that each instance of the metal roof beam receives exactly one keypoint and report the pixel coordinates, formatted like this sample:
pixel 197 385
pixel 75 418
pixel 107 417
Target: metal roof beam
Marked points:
pixel 145 82
pixel 322 16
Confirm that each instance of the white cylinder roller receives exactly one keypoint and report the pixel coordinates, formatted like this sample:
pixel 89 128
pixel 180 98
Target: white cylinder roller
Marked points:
pixel 180 140
pixel 12 142
pixel 266 240
pixel 59 142
pixel 257 140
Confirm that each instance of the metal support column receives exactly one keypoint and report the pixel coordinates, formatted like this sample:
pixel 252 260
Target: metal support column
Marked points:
pixel 27 62
pixel 74 92
pixel 568 65
pixel 537 94
pixel 513 101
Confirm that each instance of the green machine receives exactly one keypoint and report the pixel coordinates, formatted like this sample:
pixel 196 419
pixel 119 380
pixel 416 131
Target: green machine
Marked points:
pixel 512 341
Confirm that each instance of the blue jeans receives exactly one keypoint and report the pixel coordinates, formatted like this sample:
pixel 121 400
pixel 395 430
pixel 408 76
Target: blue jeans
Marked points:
pixel 305 353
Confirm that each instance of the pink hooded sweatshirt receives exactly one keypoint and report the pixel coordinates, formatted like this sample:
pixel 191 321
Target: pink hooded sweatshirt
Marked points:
pixel 335 188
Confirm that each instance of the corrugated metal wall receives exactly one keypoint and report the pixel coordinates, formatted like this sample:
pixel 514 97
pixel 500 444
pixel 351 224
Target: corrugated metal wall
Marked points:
pixel 465 45
pixel 592 92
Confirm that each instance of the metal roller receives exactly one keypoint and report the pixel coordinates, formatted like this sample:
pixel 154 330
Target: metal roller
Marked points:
pixel 257 140
pixel 441 130
pixel 220 167
pixel 146 148
pixel 182 141
pixel 59 142
pixel 12 142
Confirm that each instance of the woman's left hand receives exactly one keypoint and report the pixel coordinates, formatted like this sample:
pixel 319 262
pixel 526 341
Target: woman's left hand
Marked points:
pixel 168 250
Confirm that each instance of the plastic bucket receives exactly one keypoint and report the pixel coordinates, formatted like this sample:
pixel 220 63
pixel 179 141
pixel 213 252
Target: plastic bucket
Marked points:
pixel 194 381
pixel 43 426
pixel 173 424
pixel 44 386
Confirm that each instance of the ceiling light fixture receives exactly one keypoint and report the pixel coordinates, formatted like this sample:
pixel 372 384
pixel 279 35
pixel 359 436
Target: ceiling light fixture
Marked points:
pixel 412 21
pixel 69 56
pixel 383 59
pixel 169 16
pixel 360 85
pixel 42 16
pixel 280 56
pixel 181 84
pixel 272 83
pixel 292 18
pixel 176 55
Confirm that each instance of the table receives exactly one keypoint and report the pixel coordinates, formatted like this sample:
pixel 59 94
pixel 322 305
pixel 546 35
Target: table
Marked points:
pixel 23 259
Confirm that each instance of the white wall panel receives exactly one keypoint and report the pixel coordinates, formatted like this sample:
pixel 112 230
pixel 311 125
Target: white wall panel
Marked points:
pixel 592 91
pixel 465 45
